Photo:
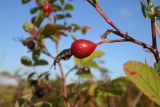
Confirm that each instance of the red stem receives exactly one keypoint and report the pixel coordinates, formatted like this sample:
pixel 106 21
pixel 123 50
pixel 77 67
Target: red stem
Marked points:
pixel 125 35
pixel 153 27
pixel 63 76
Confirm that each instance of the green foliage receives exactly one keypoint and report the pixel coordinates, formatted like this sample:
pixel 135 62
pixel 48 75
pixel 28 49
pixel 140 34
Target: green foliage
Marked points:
pixel 34 10
pixel 157 67
pixel 51 29
pixel 38 20
pixel 89 62
pixel 144 9
pixel 28 26
pixel 43 104
pixel 41 62
pixel 68 7
pixel 96 1
pixel 51 1
pixel 84 74
pixel 56 7
pixel 145 78
pixel 26 61
pixel 25 1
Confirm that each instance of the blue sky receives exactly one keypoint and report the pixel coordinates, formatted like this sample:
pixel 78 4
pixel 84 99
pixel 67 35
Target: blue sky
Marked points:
pixel 125 14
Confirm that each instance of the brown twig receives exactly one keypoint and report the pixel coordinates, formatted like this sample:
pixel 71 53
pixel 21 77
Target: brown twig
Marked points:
pixel 111 41
pixel 125 35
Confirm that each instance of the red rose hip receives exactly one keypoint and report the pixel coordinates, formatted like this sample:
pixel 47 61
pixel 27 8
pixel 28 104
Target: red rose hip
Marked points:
pixel 47 8
pixel 30 44
pixel 82 48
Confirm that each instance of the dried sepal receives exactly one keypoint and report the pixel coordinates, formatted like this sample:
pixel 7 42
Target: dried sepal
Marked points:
pixel 63 55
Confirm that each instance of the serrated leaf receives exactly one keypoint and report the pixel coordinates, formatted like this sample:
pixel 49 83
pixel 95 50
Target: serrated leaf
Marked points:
pixel 68 7
pixel 41 62
pixel 43 104
pixel 26 61
pixel 145 78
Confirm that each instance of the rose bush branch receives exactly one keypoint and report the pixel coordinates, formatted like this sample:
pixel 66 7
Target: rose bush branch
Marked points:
pixel 153 49
pixel 62 75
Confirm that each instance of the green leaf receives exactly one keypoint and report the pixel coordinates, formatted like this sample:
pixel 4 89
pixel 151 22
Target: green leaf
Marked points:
pixel 27 26
pixel 92 89
pixel 43 104
pixel 73 37
pixel 95 54
pixel 84 74
pixel 51 29
pixel 94 0
pixel 157 67
pixel 144 9
pixel 25 1
pixel 35 55
pixel 68 7
pixel 34 10
pixel 150 2
pixel 157 11
pixel 26 61
pixel 60 16
pixel 120 80
pixel 84 30
pixel 145 78
pixel 51 1
pixel 68 15
pixel 54 37
pixel 90 64
pixel 41 62
pixel 56 7
pixel 86 63
pixel 39 19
